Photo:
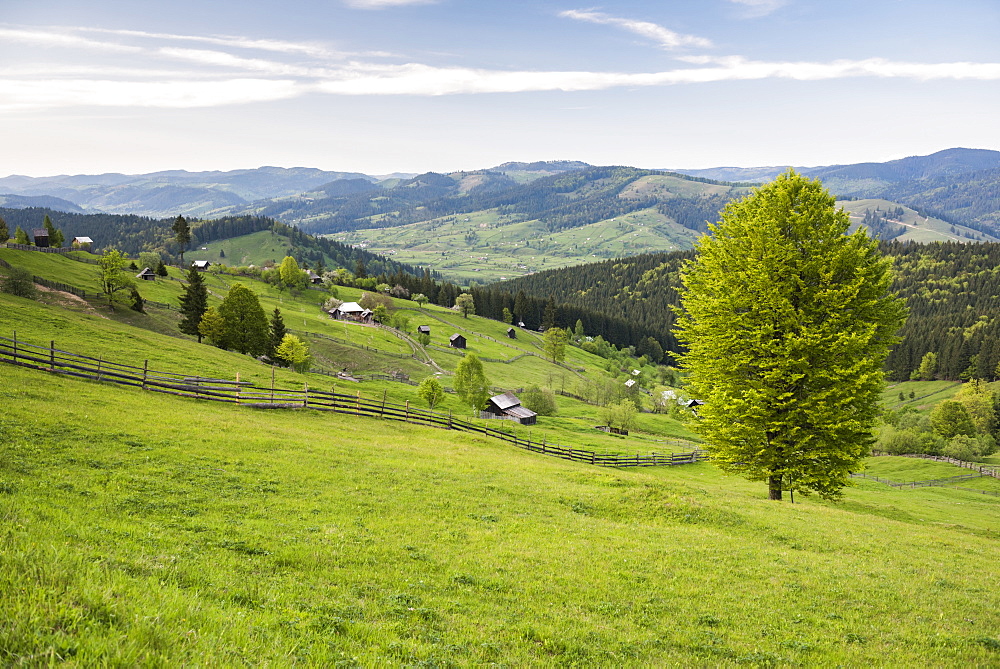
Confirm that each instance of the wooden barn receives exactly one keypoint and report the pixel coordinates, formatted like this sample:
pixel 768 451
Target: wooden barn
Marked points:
pixel 351 311
pixel 456 341
pixel 512 333
pixel 41 237
pixel 146 275
pixel 508 407
pixel 201 265
pixel 313 277
pixel 83 243
pixel 424 329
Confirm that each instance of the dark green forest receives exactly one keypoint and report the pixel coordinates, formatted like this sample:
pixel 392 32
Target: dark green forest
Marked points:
pixel 951 289
pixel 134 234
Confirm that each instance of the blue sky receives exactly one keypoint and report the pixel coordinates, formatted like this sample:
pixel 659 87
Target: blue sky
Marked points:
pixel 378 86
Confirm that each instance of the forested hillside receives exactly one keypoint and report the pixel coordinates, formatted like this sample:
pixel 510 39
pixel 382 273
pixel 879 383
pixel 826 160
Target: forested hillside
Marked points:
pixel 133 234
pixel 952 290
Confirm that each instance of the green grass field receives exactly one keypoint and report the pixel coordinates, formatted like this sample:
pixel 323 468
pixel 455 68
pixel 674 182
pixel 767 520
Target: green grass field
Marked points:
pixel 141 529
pixel 144 529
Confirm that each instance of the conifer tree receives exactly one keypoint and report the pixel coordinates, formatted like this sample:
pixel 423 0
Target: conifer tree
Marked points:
pixel 4 231
pixel 277 333
pixel 56 238
pixel 182 235
pixel 787 321
pixel 21 237
pixel 194 303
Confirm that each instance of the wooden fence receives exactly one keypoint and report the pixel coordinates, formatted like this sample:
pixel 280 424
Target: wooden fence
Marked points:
pixel 984 471
pixel 58 361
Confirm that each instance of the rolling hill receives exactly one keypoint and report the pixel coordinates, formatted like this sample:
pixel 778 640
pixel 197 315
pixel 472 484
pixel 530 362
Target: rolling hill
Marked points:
pixel 144 529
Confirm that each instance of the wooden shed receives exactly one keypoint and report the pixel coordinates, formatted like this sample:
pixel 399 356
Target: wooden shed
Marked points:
pixel 146 275
pixel 508 407
pixel 83 243
pixel 41 237
pixel 424 329
pixel 512 333
pixel 201 265
pixel 314 277
pixel 456 341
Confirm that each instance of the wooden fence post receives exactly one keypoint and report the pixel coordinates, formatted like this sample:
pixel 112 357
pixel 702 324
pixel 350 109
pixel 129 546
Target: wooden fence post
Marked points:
pixel 145 371
pixel 15 347
pixel 272 384
pixel 52 355
pixel 382 413
pixel 449 420
pixel 100 359
pixel 357 405
pixel 305 397
pixel 407 411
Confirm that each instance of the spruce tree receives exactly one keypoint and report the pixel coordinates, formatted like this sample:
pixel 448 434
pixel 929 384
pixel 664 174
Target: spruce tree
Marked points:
pixel 277 334
pixel 56 238
pixel 788 321
pixel 4 231
pixel 194 303
pixel 182 235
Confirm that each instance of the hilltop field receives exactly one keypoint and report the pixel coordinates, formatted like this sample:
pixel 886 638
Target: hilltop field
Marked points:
pixel 145 529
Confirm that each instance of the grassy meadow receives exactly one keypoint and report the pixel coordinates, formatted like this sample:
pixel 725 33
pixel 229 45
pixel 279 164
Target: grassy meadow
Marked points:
pixel 141 529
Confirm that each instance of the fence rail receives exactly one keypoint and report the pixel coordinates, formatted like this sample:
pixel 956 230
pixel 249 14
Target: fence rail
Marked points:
pixel 985 471
pixel 59 361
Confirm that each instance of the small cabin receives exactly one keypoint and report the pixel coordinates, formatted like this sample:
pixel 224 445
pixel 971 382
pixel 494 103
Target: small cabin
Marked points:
pixel 201 265
pixel 41 237
pixel 456 341
pixel 314 277
pixel 512 333
pixel 424 329
pixel 146 275
pixel 351 311
pixel 693 405
pixel 508 407
pixel 83 243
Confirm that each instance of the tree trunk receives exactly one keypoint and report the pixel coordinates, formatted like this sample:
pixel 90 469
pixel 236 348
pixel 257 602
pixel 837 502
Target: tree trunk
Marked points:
pixel 774 487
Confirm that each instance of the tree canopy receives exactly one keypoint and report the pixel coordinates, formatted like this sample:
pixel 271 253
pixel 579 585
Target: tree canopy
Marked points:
pixel 787 322
pixel 470 382
pixel 246 328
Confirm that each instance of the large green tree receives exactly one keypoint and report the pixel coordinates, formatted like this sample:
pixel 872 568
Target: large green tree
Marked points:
pixel 194 303
pixel 246 328
pixel 787 321
pixel 291 274
pixel 4 231
pixel 470 382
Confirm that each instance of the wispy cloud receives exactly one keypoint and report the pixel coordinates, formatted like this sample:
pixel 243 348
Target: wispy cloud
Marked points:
pixel 666 38
pixel 757 8
pixel 244 71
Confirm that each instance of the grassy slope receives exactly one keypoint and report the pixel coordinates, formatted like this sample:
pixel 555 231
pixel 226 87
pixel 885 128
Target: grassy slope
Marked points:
pixel 252 249
pixel 921 229
pixel 98 332
pixel 145 529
